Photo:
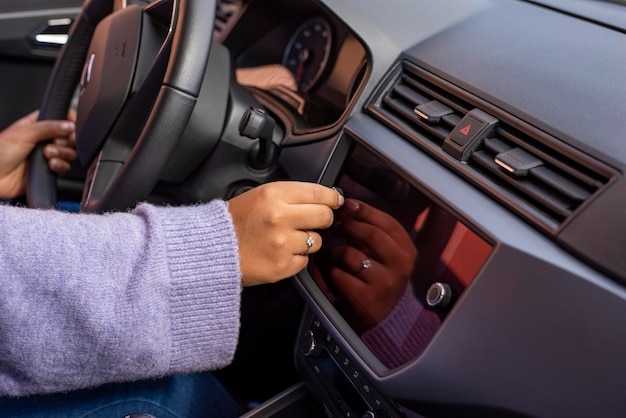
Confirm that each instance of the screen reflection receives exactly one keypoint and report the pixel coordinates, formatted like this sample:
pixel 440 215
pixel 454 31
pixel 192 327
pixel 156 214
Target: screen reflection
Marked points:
pixel 388 245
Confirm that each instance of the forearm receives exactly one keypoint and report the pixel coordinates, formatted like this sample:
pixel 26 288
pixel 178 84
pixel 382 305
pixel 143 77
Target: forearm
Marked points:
pixel 89 299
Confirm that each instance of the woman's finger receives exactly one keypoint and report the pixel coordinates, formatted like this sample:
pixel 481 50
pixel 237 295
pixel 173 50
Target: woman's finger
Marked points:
pixel 62 152
pixel 311 193
pixel 59 166
pixel 311 216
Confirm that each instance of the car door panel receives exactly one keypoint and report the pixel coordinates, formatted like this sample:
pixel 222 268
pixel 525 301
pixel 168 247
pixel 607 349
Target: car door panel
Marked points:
pixel 25 63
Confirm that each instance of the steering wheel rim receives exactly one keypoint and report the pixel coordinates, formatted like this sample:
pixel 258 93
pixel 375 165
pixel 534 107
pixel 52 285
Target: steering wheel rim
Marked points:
pixel 162 49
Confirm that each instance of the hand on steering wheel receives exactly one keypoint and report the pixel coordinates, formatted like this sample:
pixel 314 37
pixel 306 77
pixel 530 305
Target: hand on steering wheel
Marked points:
pixel 18 140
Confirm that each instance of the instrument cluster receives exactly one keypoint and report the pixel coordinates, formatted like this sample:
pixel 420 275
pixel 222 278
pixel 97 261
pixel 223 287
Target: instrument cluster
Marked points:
pixel 306 70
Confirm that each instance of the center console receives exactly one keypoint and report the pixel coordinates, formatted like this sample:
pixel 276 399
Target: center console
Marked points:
pixel 391 268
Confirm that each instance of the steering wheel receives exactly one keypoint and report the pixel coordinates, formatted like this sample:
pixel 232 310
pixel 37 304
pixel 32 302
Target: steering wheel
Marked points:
pixel 139 69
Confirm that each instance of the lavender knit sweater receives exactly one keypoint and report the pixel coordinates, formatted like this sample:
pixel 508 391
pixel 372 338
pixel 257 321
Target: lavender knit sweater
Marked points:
pixel 90 299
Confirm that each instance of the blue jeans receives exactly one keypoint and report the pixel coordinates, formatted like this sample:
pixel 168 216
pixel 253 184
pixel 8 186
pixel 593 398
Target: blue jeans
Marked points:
pixel 196 395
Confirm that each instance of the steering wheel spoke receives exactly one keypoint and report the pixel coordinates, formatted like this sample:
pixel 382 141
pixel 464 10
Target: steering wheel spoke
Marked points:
pixel 106 81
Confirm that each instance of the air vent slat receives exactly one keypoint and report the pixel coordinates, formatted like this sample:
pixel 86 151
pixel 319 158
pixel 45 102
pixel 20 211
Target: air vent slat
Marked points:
pixel 410 95
pixel 451 120
pixel 539 177
pixel 496 146
pixel 403 109
pixel 435 93
pixel 560 183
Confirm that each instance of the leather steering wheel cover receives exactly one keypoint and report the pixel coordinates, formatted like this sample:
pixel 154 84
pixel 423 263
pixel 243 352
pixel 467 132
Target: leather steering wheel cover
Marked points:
pixel 192 40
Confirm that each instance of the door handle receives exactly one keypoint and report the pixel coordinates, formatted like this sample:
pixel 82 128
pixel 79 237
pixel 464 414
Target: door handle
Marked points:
pixel 53 33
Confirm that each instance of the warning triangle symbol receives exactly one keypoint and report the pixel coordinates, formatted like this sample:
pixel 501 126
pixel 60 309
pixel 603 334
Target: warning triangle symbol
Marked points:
pixel 466 130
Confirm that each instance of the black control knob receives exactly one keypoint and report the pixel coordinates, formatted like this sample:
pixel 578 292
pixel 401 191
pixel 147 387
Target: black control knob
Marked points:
pixel 312 344
pixel 440 296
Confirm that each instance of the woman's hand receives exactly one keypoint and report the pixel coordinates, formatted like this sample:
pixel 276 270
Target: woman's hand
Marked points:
pixel 20 138
pixel 273 223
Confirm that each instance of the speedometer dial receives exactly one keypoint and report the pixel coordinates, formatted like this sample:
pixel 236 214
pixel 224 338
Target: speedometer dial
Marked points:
pixel 307 52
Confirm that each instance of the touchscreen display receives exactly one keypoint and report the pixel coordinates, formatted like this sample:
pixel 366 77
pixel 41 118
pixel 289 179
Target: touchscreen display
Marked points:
pixel 389 253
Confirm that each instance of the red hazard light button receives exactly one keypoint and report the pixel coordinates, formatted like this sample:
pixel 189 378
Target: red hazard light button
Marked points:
pixel 466 130
pixel 468 134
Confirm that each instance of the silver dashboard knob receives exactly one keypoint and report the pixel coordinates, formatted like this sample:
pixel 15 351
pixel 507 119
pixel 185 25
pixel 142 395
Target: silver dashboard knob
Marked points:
pixel 439 295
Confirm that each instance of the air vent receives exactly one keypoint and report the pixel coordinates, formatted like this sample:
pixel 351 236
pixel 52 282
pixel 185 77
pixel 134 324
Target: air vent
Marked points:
pixel 420 109
pixel 225 14
pixel 534 174
pixel 547 185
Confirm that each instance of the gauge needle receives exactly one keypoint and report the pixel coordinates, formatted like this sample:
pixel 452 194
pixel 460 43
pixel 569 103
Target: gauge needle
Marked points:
pixel 303 57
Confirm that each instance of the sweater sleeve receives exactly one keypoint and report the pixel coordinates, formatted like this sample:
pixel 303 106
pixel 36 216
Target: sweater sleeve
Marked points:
pixel 87 299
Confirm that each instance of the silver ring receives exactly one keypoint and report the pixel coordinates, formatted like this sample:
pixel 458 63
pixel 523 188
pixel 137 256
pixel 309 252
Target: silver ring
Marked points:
pixel 366 263
pixel 309 243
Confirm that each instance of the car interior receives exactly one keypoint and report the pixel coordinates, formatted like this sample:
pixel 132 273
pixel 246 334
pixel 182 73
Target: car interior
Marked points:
pixel 488 135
